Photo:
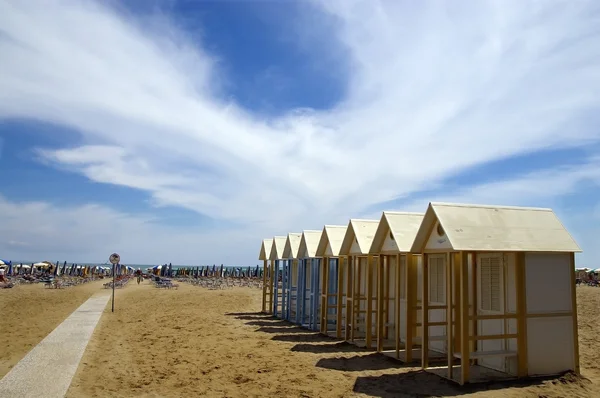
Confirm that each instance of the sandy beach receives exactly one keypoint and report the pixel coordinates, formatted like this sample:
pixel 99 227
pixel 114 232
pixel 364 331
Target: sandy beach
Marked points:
pixel 193 341
pixel 31 312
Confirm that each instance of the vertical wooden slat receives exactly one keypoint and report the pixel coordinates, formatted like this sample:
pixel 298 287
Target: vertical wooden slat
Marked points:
pixel 349 297
pixel 411 302
pixel 380 301
pixel 386 292
pixel 522 366
pixel 340 296
pixel 449 336
pixel 369 321
pixel 324 294
pixel 264 296
pixel 425 314
pixel 397 321
pixel 574 311
pixel 457 306
pixel 464 304
pixel 474 293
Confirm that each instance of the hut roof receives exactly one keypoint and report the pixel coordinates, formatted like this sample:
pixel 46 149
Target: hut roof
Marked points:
pixel 403 227
pixel 265 249
pixel 308 243
pixel 334 235
pixel 496 228
pixel 292 244
pixel 277 249
pixel 363 231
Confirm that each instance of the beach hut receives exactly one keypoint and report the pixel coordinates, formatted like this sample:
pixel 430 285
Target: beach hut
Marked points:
pixel 398 294
pixel 264 255
pixel 506 277
pixel 308 281
pixel 333 287
pixel 361 282
pixel 290 254
pixel 276 258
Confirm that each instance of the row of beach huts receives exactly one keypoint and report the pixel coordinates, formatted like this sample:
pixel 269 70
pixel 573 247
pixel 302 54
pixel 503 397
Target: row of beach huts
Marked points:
pixel 474 293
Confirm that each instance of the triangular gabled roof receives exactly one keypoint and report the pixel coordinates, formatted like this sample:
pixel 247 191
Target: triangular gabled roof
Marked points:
pixel 292 244
pixel 495 228
pixel 277 248
pixel 403 228
pixel 334 236
pixel 308 243
pixel 265 249
pixel 363 231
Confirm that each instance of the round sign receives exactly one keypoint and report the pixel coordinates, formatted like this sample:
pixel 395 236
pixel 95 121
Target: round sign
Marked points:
pixel 114 258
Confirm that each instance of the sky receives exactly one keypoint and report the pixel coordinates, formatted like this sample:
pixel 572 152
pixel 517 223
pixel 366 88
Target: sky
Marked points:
pixel 187 131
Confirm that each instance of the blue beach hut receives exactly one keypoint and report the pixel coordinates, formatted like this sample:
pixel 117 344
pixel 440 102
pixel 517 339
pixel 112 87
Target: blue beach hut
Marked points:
pixel 276 258
pixel 333 294
pixel 309 280
pixel 290 275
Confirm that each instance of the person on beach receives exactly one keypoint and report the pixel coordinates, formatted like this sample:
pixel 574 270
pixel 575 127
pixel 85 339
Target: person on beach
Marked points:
pixel 138 273
pixel 2 278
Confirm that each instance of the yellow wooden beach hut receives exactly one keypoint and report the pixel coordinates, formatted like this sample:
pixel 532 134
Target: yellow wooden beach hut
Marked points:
pixel 267 296
pixel 276 257
pixel 361 282
pixel 333 286
pixel 398 294
pixel 290 253
pixel 506 276
pixel 309 279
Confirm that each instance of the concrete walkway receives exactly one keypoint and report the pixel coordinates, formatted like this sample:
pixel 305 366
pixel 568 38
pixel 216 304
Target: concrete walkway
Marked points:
pixel 47 370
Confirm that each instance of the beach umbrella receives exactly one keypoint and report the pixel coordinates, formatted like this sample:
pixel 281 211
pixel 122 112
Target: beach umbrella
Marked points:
pixel 10 268
pixel 221 273
pixel 64 267
pixel 56 269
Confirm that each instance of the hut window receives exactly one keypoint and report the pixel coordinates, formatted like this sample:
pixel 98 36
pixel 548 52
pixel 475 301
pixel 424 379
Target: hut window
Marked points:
pixel 437 281
pixel 490 283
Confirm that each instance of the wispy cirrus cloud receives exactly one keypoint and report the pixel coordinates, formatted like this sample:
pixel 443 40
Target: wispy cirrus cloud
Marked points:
pixel 433 89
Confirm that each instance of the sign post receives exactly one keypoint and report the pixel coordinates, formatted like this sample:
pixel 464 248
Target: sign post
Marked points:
pixel 114 260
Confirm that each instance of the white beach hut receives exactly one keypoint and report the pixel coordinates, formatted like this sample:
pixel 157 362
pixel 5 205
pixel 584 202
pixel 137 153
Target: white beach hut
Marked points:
pixel 361 282
pixel 398 292
pixel 333 284
pixel 267 296
pixel 506 276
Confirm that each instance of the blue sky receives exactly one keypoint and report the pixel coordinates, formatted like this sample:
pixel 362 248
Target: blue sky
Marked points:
pixel 186 131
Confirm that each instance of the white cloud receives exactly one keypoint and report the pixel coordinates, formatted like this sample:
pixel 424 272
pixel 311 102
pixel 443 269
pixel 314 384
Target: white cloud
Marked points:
pixel 433 89
pixel 35 231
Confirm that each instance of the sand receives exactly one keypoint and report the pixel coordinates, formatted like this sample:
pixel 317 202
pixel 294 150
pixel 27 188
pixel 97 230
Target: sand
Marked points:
pixel 30 312
pixel 193 341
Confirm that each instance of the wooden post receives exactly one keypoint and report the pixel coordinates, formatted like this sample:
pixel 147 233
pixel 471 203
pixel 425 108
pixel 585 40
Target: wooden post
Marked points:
pixel 271 285
pixel 464 304
pixel 386 292
pixel 397 321
pixel 340 298
pixel 474 290
pixel 574 311
pixel 425 314
pixel 369 320
pixel 324 294
pixel 449 336
pixel 457 307
pixel 264 296
pixel 349 297
pixel 522 367
pixel 412 279
pixel 380 301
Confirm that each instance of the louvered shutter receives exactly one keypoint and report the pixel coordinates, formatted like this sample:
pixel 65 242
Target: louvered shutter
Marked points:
pixel 491 283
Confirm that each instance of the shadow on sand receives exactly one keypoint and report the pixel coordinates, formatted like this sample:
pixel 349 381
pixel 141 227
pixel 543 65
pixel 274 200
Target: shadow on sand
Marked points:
pixel 340 346
pixel 423 384
pixel 358 363
pixel 306 337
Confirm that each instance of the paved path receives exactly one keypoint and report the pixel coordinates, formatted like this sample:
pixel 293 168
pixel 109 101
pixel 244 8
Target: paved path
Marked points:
pixel 47 370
